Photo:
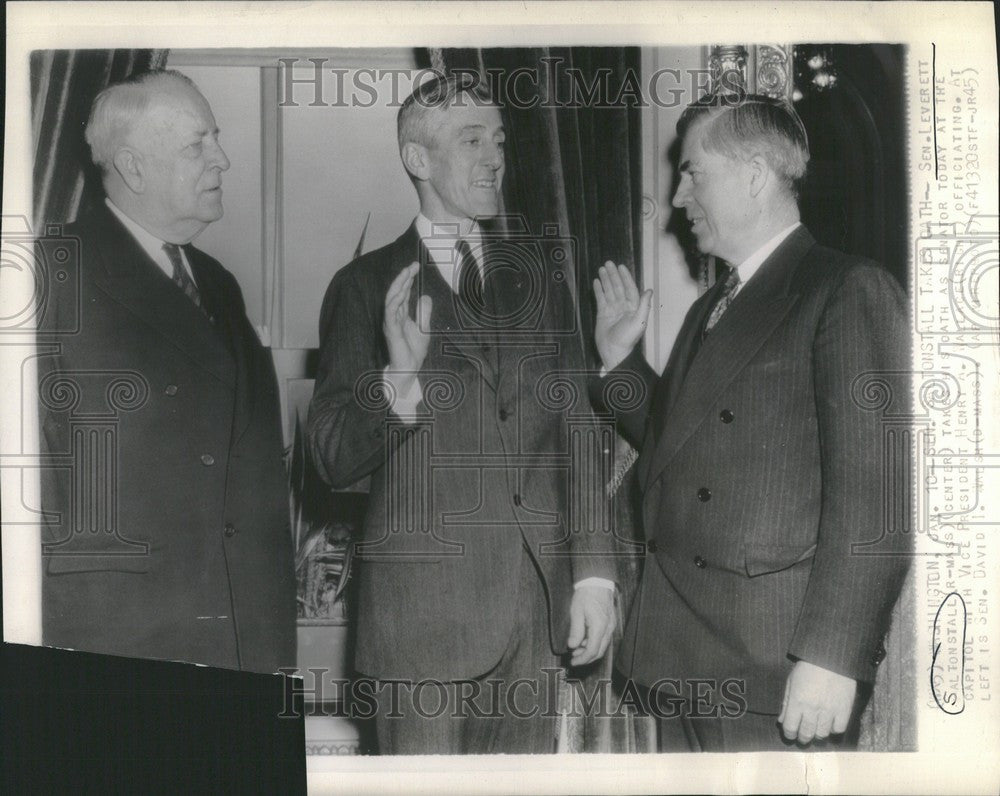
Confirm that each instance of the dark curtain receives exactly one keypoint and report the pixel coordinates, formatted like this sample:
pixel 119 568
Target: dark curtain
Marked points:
pixel 854 197
pixel 579 166
pixel 576 163
pixel 63 86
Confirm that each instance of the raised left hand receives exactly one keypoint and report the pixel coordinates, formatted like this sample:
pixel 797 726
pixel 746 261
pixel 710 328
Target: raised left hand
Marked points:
pixel 591 623
pixel 817 702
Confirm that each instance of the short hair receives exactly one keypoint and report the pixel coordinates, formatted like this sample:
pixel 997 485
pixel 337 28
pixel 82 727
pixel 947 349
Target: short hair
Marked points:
pixel 740 126
pixel 116 109
pixel 441 92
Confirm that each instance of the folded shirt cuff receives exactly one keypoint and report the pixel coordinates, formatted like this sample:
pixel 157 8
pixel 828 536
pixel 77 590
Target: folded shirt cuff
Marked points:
pixel 405 406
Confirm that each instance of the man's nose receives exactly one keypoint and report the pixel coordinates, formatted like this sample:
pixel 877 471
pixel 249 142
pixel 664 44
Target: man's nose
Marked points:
pixel 219 158
pixel 681 194
pixel 493 157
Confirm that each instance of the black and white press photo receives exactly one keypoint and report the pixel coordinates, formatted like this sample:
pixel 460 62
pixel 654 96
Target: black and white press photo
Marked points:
pixel 484 394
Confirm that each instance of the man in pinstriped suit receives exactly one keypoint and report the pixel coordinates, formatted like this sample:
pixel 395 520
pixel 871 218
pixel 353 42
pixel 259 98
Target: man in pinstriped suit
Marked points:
pixel 761 474
pixel 492 578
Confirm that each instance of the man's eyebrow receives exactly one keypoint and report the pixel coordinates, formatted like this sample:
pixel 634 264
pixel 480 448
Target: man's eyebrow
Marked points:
pixel 469 128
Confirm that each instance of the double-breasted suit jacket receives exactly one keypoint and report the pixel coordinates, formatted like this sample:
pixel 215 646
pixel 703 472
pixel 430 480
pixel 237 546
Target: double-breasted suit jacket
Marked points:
pixel 483 474
pixel 166 476
pixel 762 477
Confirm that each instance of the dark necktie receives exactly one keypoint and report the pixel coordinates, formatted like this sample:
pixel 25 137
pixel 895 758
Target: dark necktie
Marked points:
pixel 470 280
pixel 732 283
pixel 181 277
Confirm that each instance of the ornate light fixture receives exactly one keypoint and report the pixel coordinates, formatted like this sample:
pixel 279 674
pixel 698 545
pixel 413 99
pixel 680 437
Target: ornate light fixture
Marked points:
pixel 815 71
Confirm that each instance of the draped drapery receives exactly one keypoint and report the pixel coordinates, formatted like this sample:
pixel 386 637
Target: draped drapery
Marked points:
pixel 63 86
pixel 575 163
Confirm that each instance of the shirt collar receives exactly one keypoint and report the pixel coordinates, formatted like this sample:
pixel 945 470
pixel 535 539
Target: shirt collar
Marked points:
pixel 752 263
pixel 439 239
pixel 150 244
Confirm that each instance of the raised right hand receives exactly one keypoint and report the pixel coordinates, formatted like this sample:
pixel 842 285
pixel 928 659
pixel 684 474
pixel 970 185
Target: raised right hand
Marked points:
pixel 621 313
pixel 407 338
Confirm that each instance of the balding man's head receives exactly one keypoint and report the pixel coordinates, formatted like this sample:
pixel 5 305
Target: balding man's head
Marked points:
pixel 156 141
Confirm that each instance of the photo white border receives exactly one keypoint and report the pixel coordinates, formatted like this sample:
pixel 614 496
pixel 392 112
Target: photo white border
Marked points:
pixel 959 756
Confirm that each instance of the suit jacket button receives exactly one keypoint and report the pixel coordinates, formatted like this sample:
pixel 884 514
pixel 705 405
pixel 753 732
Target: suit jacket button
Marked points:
pixel 700 562
pixel 229 530
pixel 704 494
pixel 651 546
pixel 517 499
pixel 504 414
pixel 726 416
pixel 207 459
pixel 170 389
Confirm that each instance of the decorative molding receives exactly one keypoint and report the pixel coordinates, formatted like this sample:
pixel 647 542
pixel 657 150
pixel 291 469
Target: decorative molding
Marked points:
pixel 755 68
pixel 727 66
pixel 772 70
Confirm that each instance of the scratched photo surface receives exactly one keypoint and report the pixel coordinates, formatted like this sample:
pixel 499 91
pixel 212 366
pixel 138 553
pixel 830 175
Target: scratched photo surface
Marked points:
pixel 521 388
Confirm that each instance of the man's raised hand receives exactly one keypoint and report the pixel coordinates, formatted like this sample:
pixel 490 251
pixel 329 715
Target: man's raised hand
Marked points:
pixel 621 313
pixel 407 338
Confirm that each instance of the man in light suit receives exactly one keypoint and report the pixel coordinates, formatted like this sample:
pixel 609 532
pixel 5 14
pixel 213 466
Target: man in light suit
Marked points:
pixel 161 405
pixel 761 471
pixel 435 378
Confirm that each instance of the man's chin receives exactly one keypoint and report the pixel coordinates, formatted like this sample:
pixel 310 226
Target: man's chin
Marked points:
pixel 212 212
pixel 488 209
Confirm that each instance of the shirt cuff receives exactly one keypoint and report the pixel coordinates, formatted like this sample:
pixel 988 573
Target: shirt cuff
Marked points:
pixel 405 406
pixel 604 583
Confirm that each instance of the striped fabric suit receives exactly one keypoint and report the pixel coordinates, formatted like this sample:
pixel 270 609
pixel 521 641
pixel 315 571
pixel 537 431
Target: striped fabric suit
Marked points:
pixel 442 600
pixel 760 472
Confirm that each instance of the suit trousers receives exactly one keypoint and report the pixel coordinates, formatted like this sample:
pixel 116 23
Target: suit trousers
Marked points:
pixel 510 709
pixel 748 732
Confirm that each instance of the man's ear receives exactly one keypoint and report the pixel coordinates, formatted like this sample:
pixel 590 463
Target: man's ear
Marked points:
pixel 415 160
pixel 760 174
pixel 128 163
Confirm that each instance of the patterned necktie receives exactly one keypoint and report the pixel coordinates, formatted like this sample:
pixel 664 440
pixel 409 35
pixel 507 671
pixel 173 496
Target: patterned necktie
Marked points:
pixel 470 280
pixel 729 289
pixel 181 277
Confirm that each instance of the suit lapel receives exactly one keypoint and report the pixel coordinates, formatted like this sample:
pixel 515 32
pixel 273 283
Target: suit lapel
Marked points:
pixel 130 278
pixel 670 381
pixel 232 327
pixel 755 313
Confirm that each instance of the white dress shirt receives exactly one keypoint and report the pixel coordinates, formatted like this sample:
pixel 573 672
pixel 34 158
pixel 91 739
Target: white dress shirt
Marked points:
pixel 150 244
pixel 440 240
pixel 752 264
